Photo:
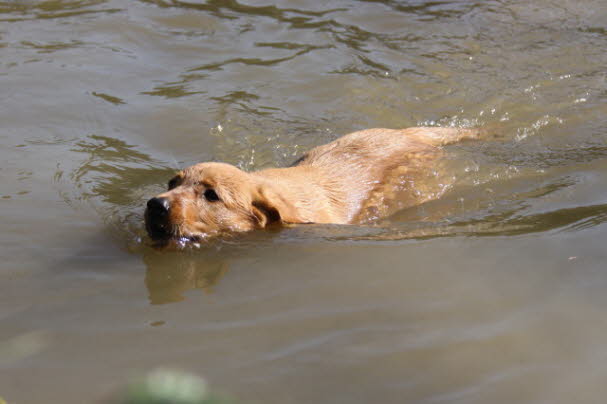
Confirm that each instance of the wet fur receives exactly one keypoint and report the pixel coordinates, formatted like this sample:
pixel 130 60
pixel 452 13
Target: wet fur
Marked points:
pixel 339 182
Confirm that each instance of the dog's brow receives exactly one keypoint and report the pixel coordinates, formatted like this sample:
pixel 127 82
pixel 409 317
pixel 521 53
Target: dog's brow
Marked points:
pixel 205 184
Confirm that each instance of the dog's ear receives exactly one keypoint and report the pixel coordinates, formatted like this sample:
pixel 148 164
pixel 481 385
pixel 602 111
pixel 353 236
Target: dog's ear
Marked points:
pixel 269 207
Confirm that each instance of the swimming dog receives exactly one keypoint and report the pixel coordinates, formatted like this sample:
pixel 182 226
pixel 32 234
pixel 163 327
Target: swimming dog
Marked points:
pixel 340 182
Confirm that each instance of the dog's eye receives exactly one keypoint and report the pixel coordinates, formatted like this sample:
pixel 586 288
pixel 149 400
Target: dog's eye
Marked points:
pixel 172 183
pixel 211 195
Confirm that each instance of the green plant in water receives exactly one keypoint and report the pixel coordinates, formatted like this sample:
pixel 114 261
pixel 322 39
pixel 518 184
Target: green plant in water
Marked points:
pixel 166 386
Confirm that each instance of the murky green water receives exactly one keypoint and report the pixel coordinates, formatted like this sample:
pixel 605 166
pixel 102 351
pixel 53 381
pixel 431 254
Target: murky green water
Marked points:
pixel 495 293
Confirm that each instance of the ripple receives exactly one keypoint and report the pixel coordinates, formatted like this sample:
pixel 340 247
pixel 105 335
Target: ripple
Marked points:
pixel 50 47
pixel 109 98
pixel 31 10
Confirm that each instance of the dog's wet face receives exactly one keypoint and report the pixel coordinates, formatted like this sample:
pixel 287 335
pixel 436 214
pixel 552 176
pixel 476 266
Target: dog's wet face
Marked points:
pixel 210 199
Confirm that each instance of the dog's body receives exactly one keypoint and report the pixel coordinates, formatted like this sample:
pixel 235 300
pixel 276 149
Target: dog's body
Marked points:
pixel 339 182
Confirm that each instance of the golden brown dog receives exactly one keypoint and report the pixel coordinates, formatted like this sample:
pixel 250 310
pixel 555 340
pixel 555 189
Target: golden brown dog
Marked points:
pixel 345 181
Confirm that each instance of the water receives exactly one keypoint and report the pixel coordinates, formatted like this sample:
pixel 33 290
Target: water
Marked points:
pixel 492 294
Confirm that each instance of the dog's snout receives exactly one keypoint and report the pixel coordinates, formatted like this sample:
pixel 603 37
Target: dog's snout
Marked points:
pixel 159 205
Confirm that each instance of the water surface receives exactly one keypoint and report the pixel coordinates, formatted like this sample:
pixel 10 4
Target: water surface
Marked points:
pixel 494 293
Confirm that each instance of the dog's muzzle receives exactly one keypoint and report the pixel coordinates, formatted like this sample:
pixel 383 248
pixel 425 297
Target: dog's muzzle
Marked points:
pixel 157 218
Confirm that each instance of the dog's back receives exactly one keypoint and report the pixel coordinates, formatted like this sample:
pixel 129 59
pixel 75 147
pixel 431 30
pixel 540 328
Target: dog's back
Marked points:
pixel 364 168
pixel 385 146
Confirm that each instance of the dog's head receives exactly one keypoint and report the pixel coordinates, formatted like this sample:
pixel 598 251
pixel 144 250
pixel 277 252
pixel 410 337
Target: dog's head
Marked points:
pixel 208 199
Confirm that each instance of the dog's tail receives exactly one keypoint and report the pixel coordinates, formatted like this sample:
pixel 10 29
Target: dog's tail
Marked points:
pixel 437 136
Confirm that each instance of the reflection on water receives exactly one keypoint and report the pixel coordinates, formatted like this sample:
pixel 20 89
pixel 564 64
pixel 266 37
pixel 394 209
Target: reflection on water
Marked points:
pixel 169 276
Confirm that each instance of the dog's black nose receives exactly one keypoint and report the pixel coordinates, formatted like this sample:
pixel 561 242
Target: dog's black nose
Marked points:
pixel 159 206
pixel 157 218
